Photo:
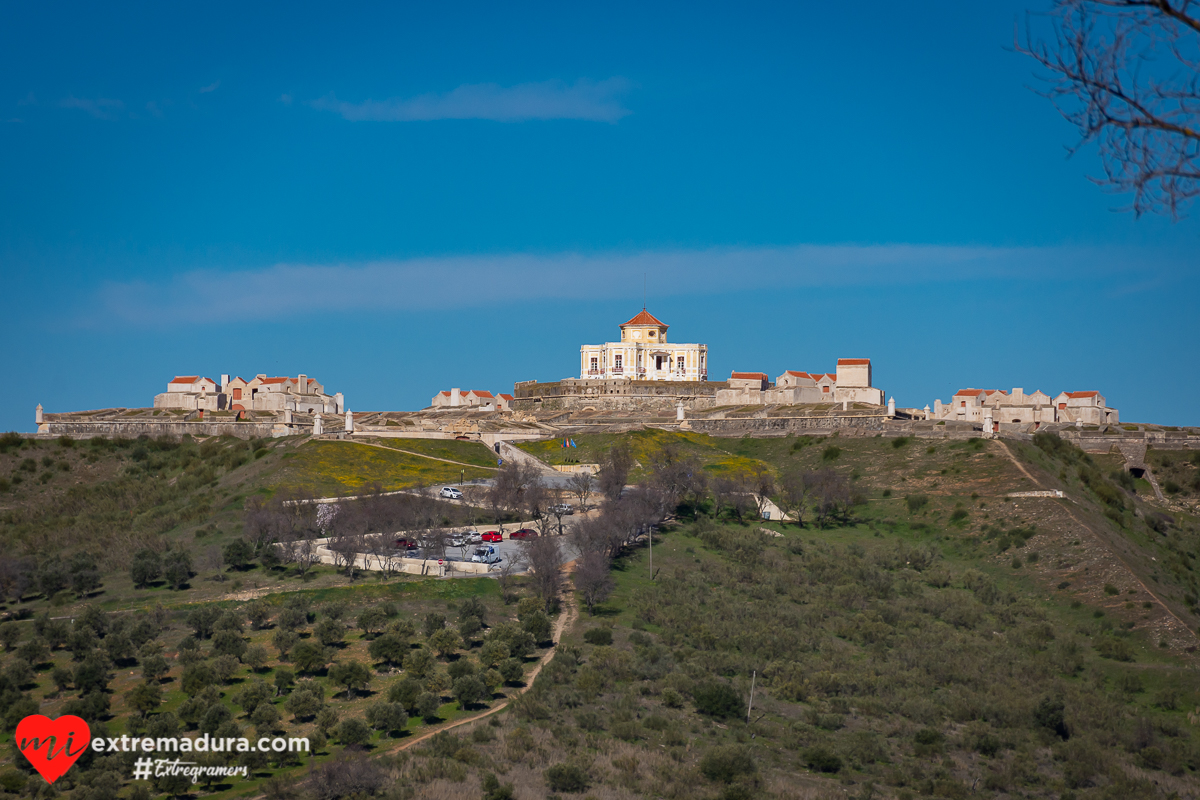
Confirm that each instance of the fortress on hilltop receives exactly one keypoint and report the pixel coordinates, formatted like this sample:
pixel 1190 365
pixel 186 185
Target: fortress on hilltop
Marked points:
pixel 646 372
pixel 641 380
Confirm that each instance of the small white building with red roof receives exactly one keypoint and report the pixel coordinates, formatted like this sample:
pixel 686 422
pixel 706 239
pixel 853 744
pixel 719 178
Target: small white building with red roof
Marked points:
pixel 475 399
pixel 850 384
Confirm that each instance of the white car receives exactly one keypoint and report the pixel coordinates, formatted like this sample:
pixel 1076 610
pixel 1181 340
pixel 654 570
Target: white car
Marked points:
pixel 486 555
pixel 457 540
pixel 473 537
pixel 450 492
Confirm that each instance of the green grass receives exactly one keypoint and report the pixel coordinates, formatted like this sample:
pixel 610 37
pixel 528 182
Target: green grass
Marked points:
pixel 475 453
pixel 714 453
pixel 331 468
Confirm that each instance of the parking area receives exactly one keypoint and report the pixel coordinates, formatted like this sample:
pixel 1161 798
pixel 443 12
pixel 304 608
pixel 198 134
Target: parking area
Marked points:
pixel 509 550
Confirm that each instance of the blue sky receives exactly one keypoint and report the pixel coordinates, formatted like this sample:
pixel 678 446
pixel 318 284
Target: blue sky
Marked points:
pixel 399 199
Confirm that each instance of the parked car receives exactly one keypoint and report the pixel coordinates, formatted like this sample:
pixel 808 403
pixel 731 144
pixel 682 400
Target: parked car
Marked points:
pixel 492 536
pixel 486 554
pixel 457 540
pixel 566 509
pixel 524 533
pixel 450 492
pixel 473 537
pixel 405 544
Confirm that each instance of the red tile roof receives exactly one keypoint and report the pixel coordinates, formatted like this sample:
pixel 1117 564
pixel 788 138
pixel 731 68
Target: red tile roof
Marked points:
pixel 185 379
pixel 445 394
pixel 507 396
pixel 968 393
pixel 478 393
pixel 748 376
pixel 816 376
pixel 797 374
pixel 990 392
pixel 646 318
pixel 853 361
pixel 1082 394
pixel 273 380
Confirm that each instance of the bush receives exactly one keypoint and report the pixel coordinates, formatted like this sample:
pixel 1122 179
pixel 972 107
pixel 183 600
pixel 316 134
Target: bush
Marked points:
pixel 566 778
pixel 916 502
pixel 831 453
pixel 600 636
pixel 1114 648
pixel 726 764
pixel 718 700
pixel 822 760
pixel 1049 716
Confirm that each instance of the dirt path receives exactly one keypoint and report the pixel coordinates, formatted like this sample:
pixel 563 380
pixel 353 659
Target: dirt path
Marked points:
pixel 1019 465
pixel 566 619
pixel 1066 507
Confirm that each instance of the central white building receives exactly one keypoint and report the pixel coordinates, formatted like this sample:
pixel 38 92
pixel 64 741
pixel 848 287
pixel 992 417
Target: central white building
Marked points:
pixel 643 354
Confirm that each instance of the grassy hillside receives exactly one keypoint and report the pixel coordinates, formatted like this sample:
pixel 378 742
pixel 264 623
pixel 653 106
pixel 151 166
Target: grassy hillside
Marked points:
pixel 715 454
pixel 948 638
pixel 336 467
pixel 474 453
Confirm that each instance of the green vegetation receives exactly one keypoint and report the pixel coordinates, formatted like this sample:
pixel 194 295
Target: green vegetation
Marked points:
pixel 715 455
pixel 475 453
pixel 333 468
pixel 920 631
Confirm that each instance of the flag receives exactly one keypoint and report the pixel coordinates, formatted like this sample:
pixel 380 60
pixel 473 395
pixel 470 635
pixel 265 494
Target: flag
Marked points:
pixel 573 443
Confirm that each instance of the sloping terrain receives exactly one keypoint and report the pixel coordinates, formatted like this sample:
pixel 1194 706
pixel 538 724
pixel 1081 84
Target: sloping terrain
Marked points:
pixel 944 635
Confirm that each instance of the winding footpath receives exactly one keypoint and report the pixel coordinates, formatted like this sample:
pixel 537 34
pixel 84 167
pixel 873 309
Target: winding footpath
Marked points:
pixel 566 619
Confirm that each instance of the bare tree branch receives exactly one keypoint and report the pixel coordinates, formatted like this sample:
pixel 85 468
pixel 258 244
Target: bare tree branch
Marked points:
pixel 1126 73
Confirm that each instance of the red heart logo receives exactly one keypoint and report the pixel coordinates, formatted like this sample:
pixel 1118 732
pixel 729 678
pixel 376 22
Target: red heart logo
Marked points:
pixel 52 745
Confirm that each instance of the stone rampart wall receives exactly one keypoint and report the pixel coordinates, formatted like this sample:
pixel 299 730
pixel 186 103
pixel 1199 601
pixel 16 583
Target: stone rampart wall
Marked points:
pixel 617 394
pixel 154 429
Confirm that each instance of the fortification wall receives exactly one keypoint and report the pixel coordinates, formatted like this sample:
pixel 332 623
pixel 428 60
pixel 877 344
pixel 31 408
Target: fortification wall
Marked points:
pixel 620 394
pixel 154 429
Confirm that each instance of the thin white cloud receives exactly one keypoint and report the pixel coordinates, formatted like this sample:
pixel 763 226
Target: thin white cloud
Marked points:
pixel 100 107
pixel 283 290
pixel 595 101
pixel 212 87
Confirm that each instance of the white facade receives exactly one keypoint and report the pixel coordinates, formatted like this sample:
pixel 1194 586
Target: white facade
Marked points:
pixel 644 354
pixel 977 405
pixel 301 394
pixel 851 384
pixel 475 399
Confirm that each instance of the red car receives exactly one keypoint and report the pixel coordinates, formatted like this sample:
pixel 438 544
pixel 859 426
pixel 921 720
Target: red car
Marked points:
pixel 492 536
pixel 405 544
pixel 524 533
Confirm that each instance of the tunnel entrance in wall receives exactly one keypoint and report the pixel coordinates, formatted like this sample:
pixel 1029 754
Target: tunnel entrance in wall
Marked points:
pixel 1137 472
